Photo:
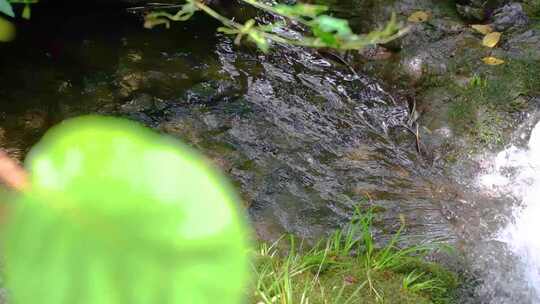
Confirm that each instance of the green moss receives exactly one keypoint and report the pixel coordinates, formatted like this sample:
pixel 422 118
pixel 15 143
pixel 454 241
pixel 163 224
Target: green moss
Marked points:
pixel 474 114
pixel 489 126
pixel 481 106
pixel 535 23
pixel 462 113
pixel 246 164
pixel 448 8
pixel 532 8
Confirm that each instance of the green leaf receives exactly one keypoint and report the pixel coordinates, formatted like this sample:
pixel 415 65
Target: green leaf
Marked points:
pixel 328 39
pixel 259 40
pixel 300 9
pixel 331 30
pixel 26 12
pixel 5 7
pixel 7 30
pixel 118 214
pixel 330 24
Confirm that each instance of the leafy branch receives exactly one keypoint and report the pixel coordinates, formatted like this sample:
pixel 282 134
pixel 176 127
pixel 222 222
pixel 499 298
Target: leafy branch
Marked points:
pixel 327 31
pixel 5 7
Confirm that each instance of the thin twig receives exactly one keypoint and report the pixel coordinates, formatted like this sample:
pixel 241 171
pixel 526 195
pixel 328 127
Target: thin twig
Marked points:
pixel 11 173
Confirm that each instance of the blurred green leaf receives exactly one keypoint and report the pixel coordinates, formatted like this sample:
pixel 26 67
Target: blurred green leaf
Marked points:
pixel 26 12
pixel 329 39
pixel 301 10
pixel 5 7
pixel 117 214
pixel 7 30
pixel 330 24
pixel 259 40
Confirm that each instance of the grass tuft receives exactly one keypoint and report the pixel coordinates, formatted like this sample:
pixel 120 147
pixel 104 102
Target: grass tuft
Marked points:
pixel 348 267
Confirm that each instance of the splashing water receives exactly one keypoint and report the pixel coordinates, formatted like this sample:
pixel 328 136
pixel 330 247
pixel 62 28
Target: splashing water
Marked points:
pixel 516 173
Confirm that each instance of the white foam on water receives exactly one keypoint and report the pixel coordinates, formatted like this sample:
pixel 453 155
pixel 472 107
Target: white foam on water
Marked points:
pixel 516 172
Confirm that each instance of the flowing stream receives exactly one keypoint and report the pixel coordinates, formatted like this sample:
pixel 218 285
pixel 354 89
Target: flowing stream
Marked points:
pixel 515 174
pixel 303 137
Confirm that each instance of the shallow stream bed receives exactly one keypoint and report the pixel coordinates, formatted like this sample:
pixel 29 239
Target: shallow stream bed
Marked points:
pixel 304 139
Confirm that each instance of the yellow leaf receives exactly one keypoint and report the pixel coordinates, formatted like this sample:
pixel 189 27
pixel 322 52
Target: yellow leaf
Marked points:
pixel 492 60
pixel 491 39
pixel 482 28
pixel 418 16
pixel 7 30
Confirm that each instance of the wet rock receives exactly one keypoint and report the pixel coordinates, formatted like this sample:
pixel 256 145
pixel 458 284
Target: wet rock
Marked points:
pixel 139 103
pixel 509 17
pixel 134 56
pixel 213 91
pixel 130 83
pixel 162 84
pixel 161 74
pixel 474 11
pixel 438 138
pixel 477 10
pixel 35 120
pixel 437 57
pixel 525 45
pixel 64 86
pixel 305 141
pixel 376 52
